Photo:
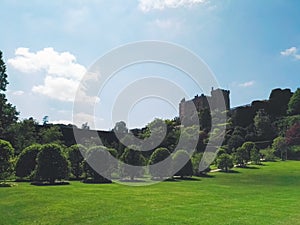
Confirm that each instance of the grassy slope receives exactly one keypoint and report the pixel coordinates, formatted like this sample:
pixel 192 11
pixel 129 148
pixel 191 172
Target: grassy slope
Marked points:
pixel 267 195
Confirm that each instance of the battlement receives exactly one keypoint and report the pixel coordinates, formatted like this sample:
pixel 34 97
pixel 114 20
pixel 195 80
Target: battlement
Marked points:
pixel 218 98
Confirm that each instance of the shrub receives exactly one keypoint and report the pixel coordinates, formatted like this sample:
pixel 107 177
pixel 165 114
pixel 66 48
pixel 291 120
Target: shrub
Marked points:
pixel 26 161
pixel 182 164
pixel 160 164
pixel 132 161
pixel 52 163
pixel 6 159
pixel 225 162
pixel 76 159
pixel 100 164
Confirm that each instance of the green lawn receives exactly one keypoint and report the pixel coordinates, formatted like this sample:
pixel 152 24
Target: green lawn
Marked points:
pixel 267 194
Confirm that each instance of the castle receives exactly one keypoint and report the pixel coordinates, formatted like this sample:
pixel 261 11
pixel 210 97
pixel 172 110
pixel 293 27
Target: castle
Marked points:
pixel 218 98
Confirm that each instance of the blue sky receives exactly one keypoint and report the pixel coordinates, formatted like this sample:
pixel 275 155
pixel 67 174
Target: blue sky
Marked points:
pixel 252 46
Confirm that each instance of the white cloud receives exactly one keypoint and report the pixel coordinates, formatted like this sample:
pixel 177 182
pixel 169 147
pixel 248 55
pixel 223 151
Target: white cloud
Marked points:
pixel 291 52
pixel 48 60
pixel 148 5
pixel 247 84
pixel 62 74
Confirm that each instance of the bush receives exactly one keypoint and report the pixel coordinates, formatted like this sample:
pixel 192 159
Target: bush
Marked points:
pixel 268 154
pixel 133 161
pixel 182 164
pixel 52 163
pixel 161 170
pixel 100 164
pixel 26 161
pixel 6 159
pixel 225 162
pixel 76 159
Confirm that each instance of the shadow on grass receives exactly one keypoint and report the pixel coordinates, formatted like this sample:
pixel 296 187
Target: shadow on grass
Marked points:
pixel 132 181
pixel 206 176
pixel 43 183
pixel 229 171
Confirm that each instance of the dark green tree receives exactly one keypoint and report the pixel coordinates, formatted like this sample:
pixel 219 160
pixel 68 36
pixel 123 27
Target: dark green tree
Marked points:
pixel 99 164
pixel 234 142
pixel 263 126
pixel 8 112
pixel 280 147
pixel 182 164
pixel 23 133
pixel 225 162
pixel 164 168
pixel 50 134
pixel 52 163
pixel 132 157
pixel 26 161
pixel 75 156
pixel 6 159
pixel 294 103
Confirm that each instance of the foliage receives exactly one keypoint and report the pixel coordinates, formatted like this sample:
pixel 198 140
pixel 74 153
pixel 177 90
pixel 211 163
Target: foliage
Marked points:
pixel 100 163
pixel 293 135
pixel 280 146
pixel 23 134
pixel 255 156
pixel 294 103
pixel 161 156
pixel 234 142
pixel 8 112
pixel 263 125
pixel 26 161
pixel 120 127
pixel 132 159
pixel 225 162
pixel 52 163
pixel 182 164
pixel 75 156
pixel 51 134
pixel 268 154
pixel 6 159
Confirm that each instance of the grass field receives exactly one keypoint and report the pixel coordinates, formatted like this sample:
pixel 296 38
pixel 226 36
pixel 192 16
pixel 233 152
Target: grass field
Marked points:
pixel 268 194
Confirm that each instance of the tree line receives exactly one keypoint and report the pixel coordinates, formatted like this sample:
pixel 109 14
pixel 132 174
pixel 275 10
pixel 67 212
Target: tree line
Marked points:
pixel 264 130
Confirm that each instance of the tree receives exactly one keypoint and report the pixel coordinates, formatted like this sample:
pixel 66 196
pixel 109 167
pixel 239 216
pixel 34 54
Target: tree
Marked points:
pixel 23 134
pixel 26 161
pixel 294 103
pixel 263 125
pixel 75 156
pixel 234 142
pixel 120 127
pixel 160 155
pixel 293 135
pixel 224 162
pixel 241 156
pixel 255 156
pixel 51 134
pixel 6 159
pixel 182 164
pixel 280 146
pixel 134 160
pixel 52 163
pixel 8 113
pixel 99 163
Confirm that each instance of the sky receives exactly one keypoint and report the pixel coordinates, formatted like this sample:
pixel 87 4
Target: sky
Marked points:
pixel 252 47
